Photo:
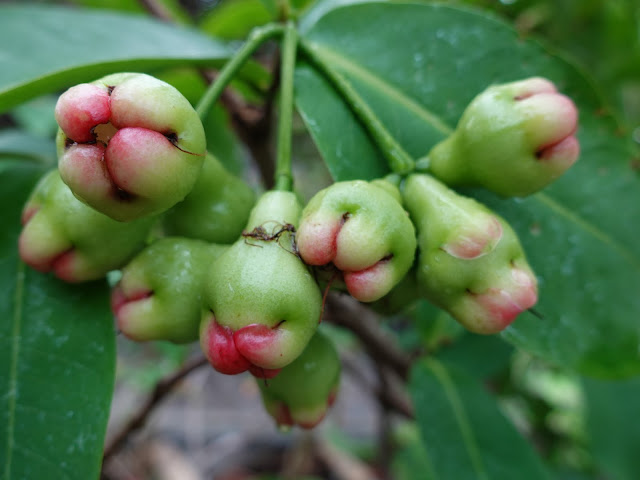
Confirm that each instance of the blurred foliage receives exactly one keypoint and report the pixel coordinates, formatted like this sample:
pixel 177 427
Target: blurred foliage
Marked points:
pixel 568 419
pixel 603 36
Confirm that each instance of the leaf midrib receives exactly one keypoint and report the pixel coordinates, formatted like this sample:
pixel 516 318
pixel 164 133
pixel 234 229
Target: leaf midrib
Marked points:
pixel 461 417
pixel 357 70
pixel 552 204
pixel 13 372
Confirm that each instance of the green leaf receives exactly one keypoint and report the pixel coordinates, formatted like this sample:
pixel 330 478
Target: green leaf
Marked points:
pixel 612 410
pixel 465 436
pixel 17 143
pixel 45 48
pixel 418 66
pixel 57 359
pixel 410 460
pixel 321 8
pixel 121 5
pixel 481 356
pixel 338 136
pixel 37 116
pixel 223 143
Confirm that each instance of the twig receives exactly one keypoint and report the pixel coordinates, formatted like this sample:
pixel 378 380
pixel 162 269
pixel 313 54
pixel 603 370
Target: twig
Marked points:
pixel 343 466
pixel 298 458
pixel 354 316
pixel 156 9
pixel 393 397
pixel 254 125
pixel 385 446
pixel 161 390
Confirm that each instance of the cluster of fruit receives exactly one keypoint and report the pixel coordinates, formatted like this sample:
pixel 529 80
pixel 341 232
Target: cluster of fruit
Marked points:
pixel 202 258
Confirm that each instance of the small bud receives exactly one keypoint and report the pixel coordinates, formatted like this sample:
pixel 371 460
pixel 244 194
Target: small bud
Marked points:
pixel 513 139
pixel 304 390
pixel 63 235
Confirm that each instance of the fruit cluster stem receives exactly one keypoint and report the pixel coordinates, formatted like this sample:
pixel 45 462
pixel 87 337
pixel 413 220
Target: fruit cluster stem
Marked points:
pixel 283 177
pixel 256 38
pixel 398 159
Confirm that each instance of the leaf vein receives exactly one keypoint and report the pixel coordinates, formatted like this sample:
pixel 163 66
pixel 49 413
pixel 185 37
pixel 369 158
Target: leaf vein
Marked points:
pixel 461 417
pixel 29 452
pixel 13 372
pixel 360 72
pixel 588 227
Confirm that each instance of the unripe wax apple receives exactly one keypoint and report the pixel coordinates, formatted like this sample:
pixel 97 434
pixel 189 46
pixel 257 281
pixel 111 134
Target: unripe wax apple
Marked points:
pixel 513 139
pixel 63 235
pixel 362 229
pixel 159 296
pixel 216 209
pixel 262 305
pixel 305 389
pixel 129 145
pixel 471 263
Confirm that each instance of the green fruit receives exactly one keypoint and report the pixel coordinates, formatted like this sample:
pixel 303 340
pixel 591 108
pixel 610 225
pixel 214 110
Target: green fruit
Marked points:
pixel 262 305
pixel 63 235
pixel 129 145
pixel 216 210
pixel 304 390
pixel 471 263
pixel 362 229
pixel 513 139
pixel 159 296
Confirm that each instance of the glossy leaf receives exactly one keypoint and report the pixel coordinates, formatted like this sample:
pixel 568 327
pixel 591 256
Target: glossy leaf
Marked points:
pixel 120 5
pixel 45 48
pixel 465 435
pixel 612 408
pixel 418 66
pixel 57 359
pixel 410 459
pixel 479 355
pixel 37 116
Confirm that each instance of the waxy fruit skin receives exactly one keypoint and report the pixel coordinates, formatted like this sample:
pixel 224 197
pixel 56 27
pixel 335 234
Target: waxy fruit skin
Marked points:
pixel 262 306
pixel 129 145
pixel 159 296
pixel 513 139
pixel 360 228
pixel 216 209
pixel 471 263
pixel 305 389
pixel 63 235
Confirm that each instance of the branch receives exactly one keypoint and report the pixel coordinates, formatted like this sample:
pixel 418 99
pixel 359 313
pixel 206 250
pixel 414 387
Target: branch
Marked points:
pixel 342 465
pixel 156 9
pixel 392 397
pixel 253 125
pixel 160 391
pixel 385 444
pixel 349 313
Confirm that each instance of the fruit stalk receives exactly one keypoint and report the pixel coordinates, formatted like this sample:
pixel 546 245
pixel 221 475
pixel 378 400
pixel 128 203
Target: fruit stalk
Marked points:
pixel 397 157
pixel 257 37
pixel 283 179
